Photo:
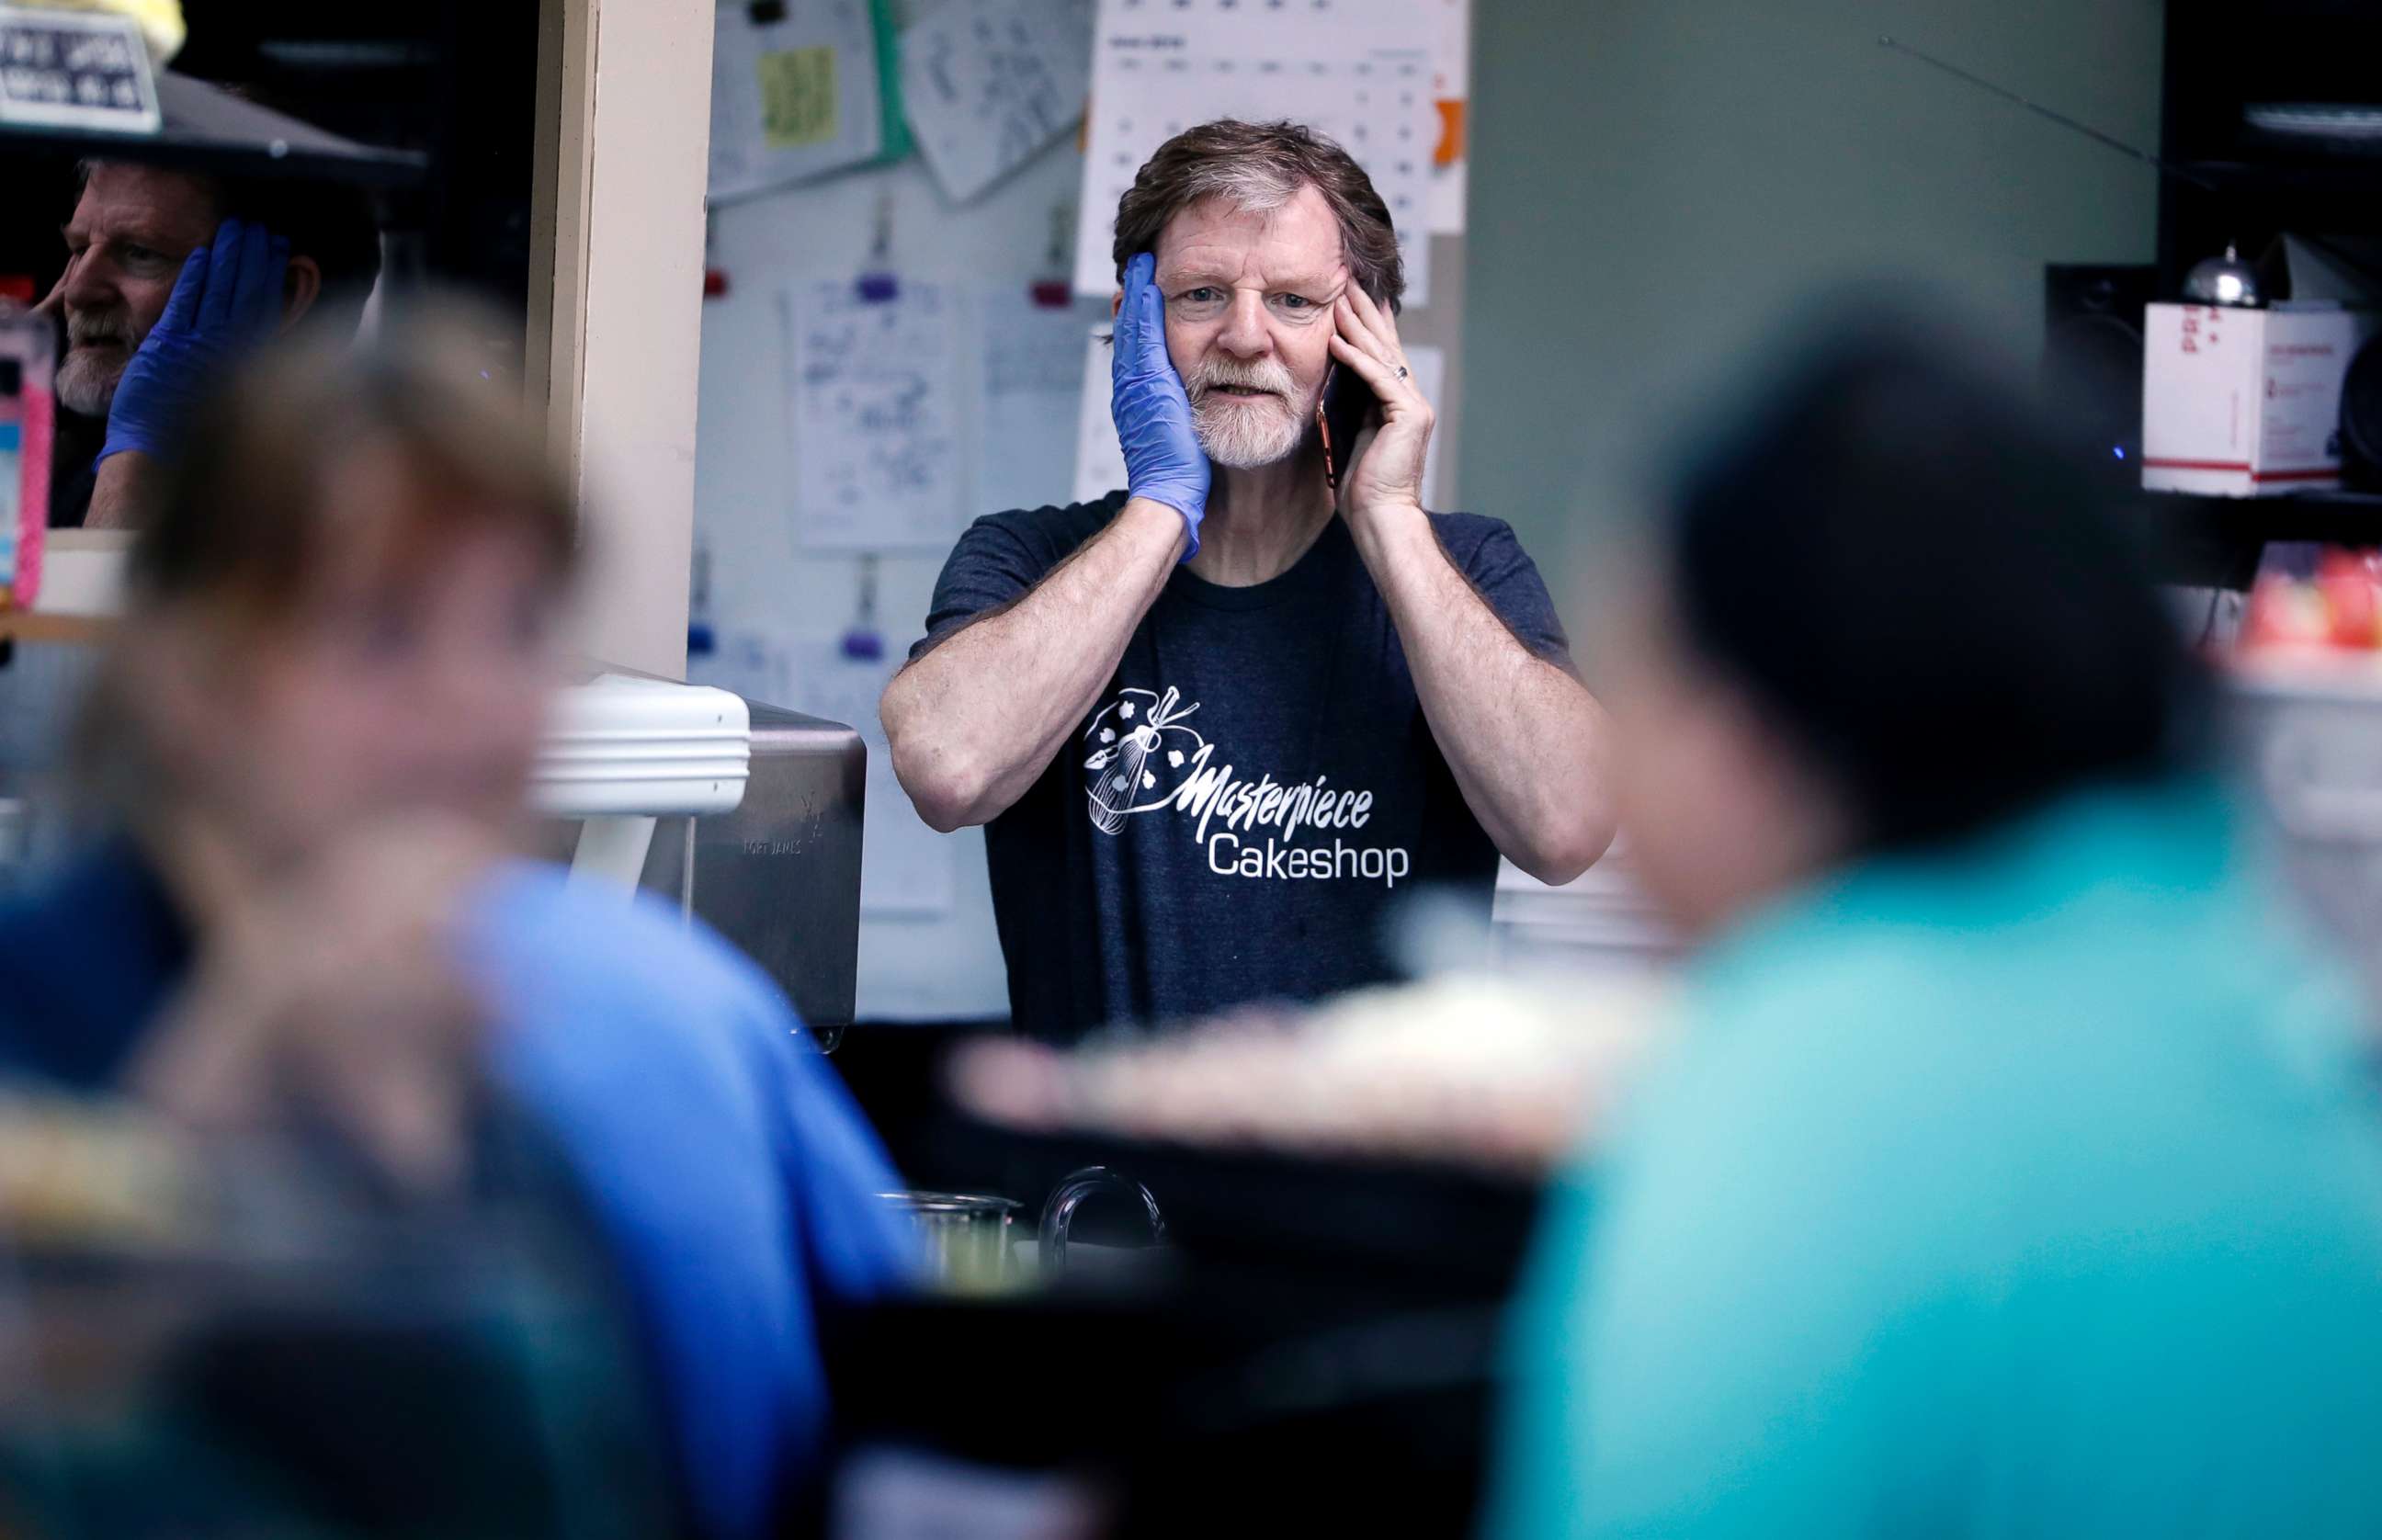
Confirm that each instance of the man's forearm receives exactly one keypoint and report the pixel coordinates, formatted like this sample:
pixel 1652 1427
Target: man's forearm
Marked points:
pixel 972 723
pixel 1525 740
pixel 121 491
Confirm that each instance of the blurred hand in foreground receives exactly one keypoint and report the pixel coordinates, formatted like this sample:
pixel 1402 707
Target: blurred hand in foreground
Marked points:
pixel 334 997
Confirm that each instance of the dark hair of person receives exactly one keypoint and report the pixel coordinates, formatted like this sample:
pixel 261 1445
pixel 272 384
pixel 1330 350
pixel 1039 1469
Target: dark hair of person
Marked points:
pixel 333 223
pixel 1261 167
pixel 1890 553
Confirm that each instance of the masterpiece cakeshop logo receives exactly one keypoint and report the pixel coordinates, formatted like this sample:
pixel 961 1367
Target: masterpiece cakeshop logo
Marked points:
pixel 1141 757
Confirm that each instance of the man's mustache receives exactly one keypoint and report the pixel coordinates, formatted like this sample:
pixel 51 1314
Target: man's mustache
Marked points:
pixel 87 328
pixel 1209 377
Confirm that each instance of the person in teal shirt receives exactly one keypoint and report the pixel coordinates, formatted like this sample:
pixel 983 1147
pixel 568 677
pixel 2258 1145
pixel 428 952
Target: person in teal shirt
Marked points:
pixel 2016 1168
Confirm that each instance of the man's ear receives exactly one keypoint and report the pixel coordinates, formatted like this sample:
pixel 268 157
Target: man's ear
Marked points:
pixel 301 286
pixel 1116 303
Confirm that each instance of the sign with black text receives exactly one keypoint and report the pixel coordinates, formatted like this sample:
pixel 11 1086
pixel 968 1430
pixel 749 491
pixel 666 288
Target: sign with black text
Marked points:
pixel 66 70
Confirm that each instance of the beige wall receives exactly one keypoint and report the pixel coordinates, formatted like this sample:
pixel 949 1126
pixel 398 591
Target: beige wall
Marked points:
pixel 631 81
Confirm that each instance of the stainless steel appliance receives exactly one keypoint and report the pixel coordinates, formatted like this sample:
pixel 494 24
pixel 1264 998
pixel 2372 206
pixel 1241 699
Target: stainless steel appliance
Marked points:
pixel 780 877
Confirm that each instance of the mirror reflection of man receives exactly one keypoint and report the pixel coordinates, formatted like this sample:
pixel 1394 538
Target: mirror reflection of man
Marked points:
pixel 1217 724
pixel 169 275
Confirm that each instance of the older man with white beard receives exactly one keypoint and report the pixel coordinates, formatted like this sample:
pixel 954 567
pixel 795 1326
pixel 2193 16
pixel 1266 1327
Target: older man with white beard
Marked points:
pixel 1216 723
pixel 169 274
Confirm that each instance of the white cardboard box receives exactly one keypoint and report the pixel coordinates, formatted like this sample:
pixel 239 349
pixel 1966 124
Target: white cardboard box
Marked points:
pixel 2245 403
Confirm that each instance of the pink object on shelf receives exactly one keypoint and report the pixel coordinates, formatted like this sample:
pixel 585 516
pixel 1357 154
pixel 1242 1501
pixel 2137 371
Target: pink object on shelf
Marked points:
pixel 28 343
pixel 33 472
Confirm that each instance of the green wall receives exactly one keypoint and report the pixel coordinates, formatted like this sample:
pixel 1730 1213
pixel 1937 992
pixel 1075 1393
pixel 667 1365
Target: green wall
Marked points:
pixel 1655 182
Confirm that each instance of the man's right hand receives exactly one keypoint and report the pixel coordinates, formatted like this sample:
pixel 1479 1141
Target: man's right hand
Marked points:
pixel 1164 461
pixel 227 300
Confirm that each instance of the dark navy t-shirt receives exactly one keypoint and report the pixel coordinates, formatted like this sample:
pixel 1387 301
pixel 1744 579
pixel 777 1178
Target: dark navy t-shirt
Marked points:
pixel 1254 790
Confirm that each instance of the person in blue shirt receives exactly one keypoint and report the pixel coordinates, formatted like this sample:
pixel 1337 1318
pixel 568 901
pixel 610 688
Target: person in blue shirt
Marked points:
pixel 311 739
pixel 2016 1171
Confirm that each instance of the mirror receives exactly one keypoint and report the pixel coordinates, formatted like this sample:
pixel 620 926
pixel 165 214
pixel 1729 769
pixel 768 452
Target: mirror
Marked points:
pixel 395 148
pixel 390 149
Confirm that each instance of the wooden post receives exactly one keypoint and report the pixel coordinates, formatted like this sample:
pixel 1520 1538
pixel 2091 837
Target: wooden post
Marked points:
pixel 625 92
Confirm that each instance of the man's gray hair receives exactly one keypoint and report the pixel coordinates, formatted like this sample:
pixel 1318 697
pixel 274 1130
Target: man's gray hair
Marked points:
pixel 1260 166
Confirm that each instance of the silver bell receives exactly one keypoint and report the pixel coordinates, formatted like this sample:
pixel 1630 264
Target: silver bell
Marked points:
pixel 2225 280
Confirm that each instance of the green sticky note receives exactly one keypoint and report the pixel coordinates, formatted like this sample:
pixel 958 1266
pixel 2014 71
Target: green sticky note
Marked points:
pixel 797 97
pixel 898 142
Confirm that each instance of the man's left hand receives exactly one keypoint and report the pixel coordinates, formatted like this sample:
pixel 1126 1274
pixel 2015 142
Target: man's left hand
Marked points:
pixel 227 300
pixel 1385 475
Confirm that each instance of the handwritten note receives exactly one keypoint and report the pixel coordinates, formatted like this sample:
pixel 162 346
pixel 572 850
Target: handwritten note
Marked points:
pixel 987 83
pixel 1099 461
pixel 1358 70
pixel 1033 382
pixel 875 440
pixel 793 97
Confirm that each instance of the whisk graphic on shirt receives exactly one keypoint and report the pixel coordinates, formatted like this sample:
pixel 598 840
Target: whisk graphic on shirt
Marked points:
pixel 1119 766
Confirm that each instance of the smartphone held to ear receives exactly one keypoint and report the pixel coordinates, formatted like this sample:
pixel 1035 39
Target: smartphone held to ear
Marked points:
pixel 1345 407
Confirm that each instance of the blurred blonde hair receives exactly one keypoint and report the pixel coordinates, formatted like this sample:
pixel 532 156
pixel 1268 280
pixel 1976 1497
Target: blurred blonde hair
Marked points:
pixel 246 520
pixel 248 529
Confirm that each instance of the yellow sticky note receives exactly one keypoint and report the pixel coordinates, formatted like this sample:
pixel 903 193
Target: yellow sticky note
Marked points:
pixel 797 97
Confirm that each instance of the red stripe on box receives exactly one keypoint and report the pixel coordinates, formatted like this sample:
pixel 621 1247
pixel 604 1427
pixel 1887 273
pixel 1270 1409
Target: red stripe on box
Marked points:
pixel 2242 468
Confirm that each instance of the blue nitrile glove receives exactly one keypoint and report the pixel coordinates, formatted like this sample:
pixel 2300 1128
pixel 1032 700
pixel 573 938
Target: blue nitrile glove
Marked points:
pixel 228 299
pixel 1163 458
